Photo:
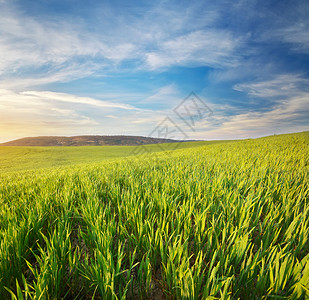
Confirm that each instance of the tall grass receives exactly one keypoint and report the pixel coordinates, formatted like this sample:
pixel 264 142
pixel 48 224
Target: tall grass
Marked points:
pixel 223 221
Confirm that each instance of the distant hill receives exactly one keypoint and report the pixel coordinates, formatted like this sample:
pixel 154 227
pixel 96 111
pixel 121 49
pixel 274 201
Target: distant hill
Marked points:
pixel 87 140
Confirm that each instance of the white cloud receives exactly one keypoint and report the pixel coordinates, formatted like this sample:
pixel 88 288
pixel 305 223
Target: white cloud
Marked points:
pixel 47 113
pixel 112 116
pixel 32 113
pixel 67 49
pixel 63 73
pixel 289 27
pixel 296 35
pixel 284 85
pixel 64 48
pixel 46 95
pixel 203 47
pixel 165 97
pixel 288 115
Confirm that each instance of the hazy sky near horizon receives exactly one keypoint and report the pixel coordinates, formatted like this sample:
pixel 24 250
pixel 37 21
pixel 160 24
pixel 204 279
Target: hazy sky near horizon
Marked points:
pixel 121 67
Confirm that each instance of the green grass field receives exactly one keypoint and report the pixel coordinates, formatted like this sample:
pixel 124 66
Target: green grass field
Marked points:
pixel 209 221
pixel 33 158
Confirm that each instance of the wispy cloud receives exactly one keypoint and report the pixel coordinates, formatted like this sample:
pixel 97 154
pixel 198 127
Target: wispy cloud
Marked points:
pixel 297 36
pixel 163 98
pixel 63 73
pixel 290 26
pixel 67 49
pixel 62 97
pixel 40 113
pixel 287 116
pixel 63 50
pixel 203 47
pixel 33 113
pixel 284 85
pixel 288 112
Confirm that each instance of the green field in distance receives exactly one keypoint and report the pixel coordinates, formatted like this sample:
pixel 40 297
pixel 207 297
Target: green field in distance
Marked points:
pixel 18 158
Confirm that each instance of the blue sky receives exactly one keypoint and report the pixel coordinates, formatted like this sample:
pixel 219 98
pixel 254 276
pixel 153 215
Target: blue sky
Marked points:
pixel 121 67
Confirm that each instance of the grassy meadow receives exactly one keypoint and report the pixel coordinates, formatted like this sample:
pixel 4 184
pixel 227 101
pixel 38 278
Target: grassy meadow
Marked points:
pixel 206 221
pixel 18 158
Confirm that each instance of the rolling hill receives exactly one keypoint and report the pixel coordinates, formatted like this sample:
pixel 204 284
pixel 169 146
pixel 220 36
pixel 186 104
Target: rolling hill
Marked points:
pixel 87 140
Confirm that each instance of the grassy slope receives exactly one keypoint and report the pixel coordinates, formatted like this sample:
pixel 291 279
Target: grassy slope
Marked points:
pixel 229 221
pixel 29 158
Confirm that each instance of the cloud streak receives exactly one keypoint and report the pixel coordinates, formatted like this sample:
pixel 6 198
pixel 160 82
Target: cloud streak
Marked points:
pixel 203 47
pixel 32 113
pixel 65 49
pixel 284 85
pixel 68 49
pixel 67 98
pixel 289 114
